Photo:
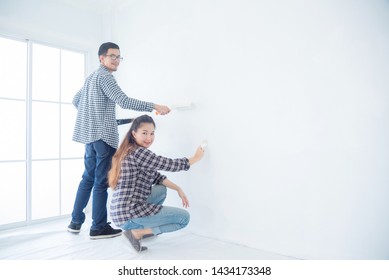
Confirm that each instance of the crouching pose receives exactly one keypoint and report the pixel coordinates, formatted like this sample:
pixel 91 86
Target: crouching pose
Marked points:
pixel 139 190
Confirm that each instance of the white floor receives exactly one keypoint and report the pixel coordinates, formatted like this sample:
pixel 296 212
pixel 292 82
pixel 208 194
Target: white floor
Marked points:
pixel 50 241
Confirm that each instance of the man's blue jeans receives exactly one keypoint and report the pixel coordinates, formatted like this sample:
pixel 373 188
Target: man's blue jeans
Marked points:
pixel 97 161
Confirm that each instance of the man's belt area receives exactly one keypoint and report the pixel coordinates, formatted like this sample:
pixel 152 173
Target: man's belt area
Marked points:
pixel 123 121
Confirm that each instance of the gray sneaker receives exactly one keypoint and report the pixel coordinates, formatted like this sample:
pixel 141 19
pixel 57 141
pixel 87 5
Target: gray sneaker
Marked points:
pixel 134 242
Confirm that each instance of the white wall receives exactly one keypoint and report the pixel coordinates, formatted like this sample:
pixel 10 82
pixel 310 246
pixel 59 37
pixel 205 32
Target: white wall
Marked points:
pixel 293 99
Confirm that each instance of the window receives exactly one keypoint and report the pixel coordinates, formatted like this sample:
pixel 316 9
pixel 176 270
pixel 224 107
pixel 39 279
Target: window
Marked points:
pixel 40 165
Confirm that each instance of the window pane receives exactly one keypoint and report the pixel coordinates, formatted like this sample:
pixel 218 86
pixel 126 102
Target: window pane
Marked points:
pixel 56 75
pixel 69 148
pixel 70 179
pixel 45 189
pixel 72 74
pixel 45 73
pixel 13 68
pixel 13 194
pixel 45 130
pixel 13 126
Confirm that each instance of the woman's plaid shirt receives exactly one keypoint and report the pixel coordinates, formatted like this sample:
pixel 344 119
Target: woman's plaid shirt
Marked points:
pixel 96 104
pixel 138 174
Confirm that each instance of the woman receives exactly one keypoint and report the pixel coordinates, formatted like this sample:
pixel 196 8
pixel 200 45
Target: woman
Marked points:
pixel 139 190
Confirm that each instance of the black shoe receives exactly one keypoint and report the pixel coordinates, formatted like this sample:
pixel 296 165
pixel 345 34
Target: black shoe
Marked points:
pixel 106 232
pixel 74 228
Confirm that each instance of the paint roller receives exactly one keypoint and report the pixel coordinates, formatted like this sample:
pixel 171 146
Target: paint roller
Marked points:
pixel 204 144
pixel 180 107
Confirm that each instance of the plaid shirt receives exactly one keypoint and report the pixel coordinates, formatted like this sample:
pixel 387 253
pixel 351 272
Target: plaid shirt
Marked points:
pixel 96 115
pixel 138 174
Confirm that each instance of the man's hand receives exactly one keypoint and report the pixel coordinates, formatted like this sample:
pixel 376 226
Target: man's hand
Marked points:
pixel 161 109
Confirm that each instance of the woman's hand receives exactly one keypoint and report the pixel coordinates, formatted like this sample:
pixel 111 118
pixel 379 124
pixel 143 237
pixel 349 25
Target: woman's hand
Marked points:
pixel 185 201
pixel 197 156
pixel 169 184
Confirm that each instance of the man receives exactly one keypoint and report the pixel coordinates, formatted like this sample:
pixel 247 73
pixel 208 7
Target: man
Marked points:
pixel 96 127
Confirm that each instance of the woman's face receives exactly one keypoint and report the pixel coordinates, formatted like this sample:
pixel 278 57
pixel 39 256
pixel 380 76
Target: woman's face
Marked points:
pixel 144 136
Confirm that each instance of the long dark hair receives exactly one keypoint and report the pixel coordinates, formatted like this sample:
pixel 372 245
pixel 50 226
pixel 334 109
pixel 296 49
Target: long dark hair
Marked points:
pixel 127 146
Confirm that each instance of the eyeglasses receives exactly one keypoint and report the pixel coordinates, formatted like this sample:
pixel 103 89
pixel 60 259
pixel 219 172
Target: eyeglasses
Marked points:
pixel 114 57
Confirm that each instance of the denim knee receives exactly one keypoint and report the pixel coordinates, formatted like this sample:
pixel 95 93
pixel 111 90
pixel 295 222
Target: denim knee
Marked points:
pixel 185 218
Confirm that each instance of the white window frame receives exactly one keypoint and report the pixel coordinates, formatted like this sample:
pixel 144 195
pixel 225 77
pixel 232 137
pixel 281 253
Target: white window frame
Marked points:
pixel 28 160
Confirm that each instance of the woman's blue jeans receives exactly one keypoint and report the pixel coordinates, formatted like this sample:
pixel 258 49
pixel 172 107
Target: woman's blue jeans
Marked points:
pixel 97 161
pixel 166 220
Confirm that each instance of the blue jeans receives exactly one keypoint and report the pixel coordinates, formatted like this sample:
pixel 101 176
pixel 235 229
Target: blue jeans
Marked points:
pixel 97 161
pixel 166 220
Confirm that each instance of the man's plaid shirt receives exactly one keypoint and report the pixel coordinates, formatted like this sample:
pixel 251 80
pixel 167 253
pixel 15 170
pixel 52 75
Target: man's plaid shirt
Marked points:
pixel 138 175
pixel 95 102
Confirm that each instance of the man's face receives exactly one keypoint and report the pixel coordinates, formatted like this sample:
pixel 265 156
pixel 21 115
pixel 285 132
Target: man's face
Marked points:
pixel 111 60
